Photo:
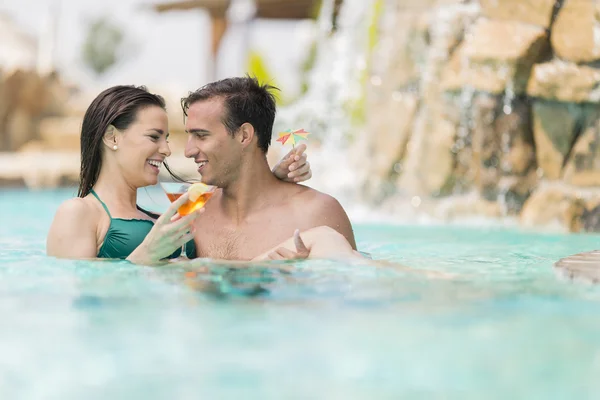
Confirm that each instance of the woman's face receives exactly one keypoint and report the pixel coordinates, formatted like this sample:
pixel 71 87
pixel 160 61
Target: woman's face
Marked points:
pixel 143 147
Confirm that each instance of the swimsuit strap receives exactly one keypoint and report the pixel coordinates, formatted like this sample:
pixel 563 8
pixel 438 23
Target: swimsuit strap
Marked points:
pixel 101 202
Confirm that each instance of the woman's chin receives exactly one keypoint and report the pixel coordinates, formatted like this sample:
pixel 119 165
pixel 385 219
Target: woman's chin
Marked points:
pixel 150 180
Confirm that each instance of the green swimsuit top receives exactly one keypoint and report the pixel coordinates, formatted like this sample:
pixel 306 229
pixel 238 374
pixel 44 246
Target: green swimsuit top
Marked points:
pixel 125 235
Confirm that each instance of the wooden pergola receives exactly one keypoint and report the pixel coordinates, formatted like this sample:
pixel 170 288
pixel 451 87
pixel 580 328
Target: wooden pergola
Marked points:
pixel 272 9
pixel 266 9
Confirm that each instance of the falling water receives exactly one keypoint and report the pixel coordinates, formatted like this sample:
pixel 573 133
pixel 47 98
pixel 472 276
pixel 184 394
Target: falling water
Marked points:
pixel 467 153
pixel 337 80
pixel 505 143
pixel 334 82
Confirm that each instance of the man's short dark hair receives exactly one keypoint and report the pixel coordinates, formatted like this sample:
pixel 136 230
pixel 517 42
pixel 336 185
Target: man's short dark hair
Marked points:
pixel 245 100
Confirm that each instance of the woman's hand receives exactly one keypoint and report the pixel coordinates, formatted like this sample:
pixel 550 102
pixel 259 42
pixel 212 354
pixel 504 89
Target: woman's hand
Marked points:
pixel 293 167
pixel 169 233
pixel 283 253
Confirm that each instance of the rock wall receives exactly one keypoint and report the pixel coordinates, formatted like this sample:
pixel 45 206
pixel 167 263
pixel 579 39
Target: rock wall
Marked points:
pixel 26 99
pixel 496 98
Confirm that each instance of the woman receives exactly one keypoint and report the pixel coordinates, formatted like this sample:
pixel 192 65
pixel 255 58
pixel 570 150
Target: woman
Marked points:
pixel 123 145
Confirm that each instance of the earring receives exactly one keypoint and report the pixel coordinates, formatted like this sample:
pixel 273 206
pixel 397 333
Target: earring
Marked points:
pixel 115 147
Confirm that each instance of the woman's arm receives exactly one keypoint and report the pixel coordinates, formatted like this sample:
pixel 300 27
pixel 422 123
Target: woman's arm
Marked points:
pixel 170 232
pixel 320 242
pixel 293 167
pixel 73 231
pixel 285 253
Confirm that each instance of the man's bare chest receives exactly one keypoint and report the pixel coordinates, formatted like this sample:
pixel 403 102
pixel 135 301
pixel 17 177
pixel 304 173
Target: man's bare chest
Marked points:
pixel 217 239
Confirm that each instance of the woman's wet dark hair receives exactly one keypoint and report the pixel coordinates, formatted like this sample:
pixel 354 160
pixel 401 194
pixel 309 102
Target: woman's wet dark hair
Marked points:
pixel 117 106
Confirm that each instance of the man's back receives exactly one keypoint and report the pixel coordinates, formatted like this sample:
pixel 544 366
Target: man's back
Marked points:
pixel 282 210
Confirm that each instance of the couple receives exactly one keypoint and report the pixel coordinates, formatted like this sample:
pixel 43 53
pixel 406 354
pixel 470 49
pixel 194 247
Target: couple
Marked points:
pixel 256 214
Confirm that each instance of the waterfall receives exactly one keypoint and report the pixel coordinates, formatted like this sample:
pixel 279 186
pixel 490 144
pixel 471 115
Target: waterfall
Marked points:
pixel 334 83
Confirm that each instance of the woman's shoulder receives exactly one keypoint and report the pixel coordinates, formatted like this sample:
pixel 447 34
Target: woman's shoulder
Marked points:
pixel 73 232
pixel 76 205
pixel 77 209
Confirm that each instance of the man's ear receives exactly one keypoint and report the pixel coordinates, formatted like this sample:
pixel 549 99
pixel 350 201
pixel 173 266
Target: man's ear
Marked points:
pixel 246 134
pixel 110 137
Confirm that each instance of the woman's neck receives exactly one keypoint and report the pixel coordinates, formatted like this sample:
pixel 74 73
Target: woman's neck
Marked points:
pixel 111 186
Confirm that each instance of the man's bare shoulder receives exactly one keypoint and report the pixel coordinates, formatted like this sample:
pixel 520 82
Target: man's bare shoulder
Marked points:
pixel 309 200
pixel 322 209
pixel 315 199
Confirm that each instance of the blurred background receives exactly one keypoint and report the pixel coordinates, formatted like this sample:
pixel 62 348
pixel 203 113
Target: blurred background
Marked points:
pixel 429 110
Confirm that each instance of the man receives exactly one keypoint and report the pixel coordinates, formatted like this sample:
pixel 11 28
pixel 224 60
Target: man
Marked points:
pixel 229 123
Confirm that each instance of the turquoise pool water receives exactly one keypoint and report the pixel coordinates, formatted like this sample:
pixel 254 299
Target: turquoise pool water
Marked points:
pixel 504 327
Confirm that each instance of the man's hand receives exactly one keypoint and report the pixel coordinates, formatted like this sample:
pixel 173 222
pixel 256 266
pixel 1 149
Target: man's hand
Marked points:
pixel 293 167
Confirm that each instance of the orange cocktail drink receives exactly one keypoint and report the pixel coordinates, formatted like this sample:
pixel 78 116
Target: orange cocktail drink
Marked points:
pixel 199 193
pixel 191 206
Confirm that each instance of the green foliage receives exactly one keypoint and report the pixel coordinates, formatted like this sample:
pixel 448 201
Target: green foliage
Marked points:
pixel 316 9
pixel 357 107
pixel 257 67
pixel 101 46
pixel 307 66
pixel 378 8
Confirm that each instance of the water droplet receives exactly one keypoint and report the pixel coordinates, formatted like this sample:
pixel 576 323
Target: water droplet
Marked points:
pixel 398 168
pixel 507 109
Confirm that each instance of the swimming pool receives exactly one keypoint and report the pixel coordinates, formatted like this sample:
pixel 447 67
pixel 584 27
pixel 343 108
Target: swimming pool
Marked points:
pixel 505 327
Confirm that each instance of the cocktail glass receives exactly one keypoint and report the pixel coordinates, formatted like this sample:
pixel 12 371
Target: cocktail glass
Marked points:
pixel 175 190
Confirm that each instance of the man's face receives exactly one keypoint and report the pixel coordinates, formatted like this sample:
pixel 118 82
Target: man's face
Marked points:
pixel 215 151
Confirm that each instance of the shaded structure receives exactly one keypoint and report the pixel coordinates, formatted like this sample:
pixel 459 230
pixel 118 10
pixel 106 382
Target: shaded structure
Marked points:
pixel 264 9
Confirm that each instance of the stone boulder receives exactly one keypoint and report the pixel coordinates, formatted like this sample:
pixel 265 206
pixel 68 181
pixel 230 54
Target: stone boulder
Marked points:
pixel 61 133
pixel 429 163
pixel 513 192
pixel 555 126
pixel 404 55
pixel 446 30
pixel 591 219
pixel 390 123
pixel 496 142
pixel 496 56
pixel 534 12
pixel 575 32
pixel 553 207
pixel 583 166
pixel 25 98
pixel 565 81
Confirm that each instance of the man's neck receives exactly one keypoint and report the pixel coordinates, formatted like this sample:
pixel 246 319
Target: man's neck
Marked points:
pixel 249 191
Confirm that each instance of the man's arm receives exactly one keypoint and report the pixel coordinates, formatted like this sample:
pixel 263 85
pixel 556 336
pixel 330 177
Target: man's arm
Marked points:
pixel 327 211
